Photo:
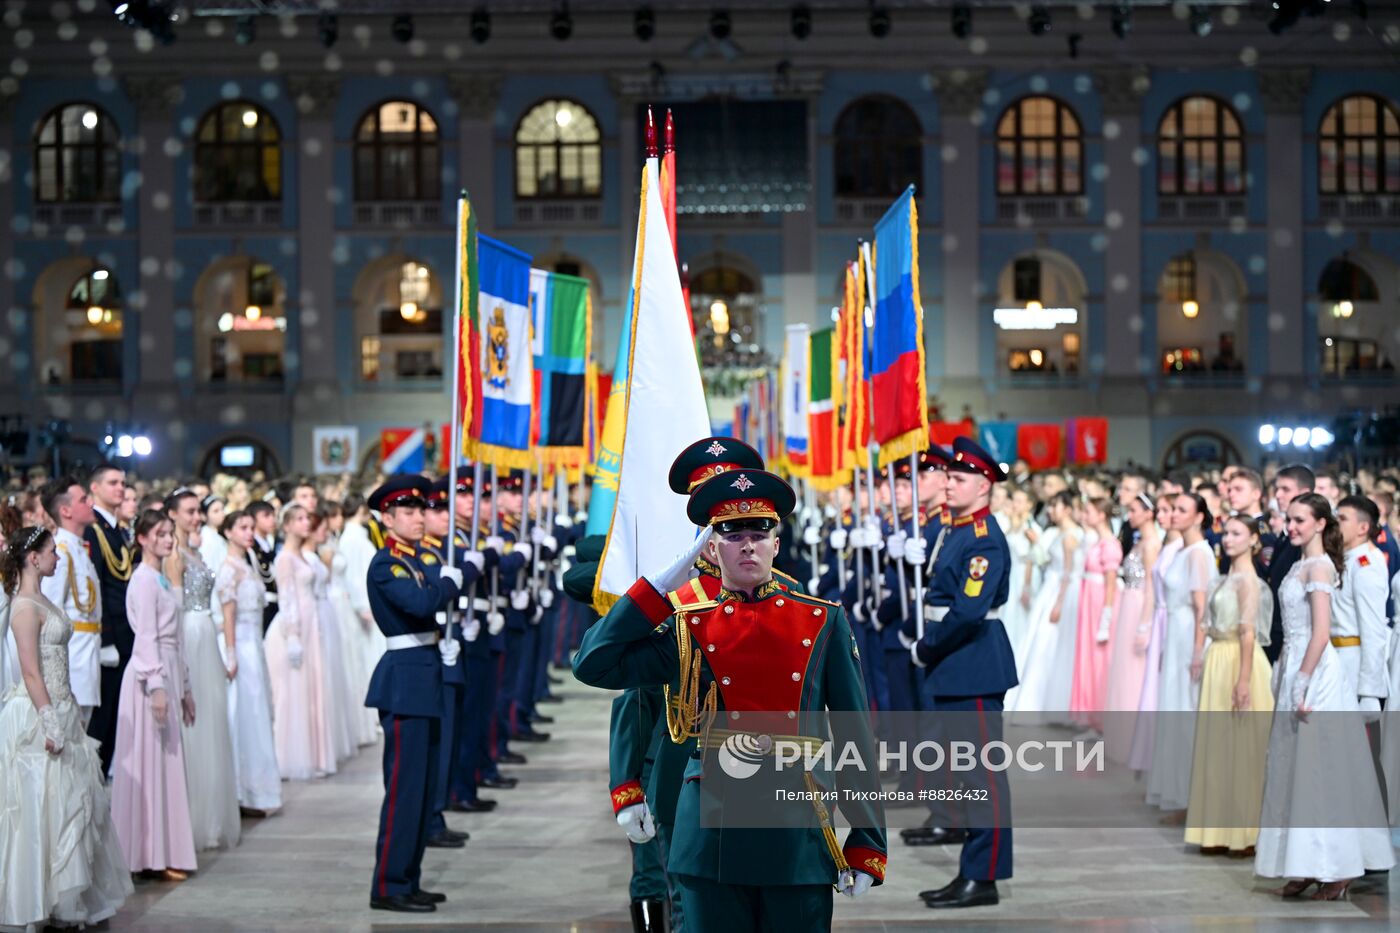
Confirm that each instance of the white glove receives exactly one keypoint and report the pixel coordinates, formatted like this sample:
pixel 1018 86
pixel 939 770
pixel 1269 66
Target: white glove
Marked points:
pixel 580 517
pixel 494 623
pixel 537 534
pixel 814 584
pixel 453 574
pixel 107 656
pixel 829 510
pixel 449 649
pixel 811 536
pixel 873 538
pixel 853 882
pixel 497 544
pixel 636 821
pixel 563 520
pixel 838 539
pixel 1300 688
pixel 546 599
pixel 916 552
pixel 471 629
pixel 294 651
pixel 1370 708
pixel 476 559
pixel 671 577
pixel 551 543
pixel 856 537
pixel 895 545
pixel 1105 625
pixel 519 600
pixel 52 726
pixel 524 550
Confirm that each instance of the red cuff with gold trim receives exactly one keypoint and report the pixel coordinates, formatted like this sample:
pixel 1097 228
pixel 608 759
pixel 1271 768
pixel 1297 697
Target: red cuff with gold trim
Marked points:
pixel 655 606
pixel 626 794
pixel 870 861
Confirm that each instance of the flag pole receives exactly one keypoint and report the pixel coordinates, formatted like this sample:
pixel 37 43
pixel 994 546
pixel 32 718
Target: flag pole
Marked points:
pixel 899 564
pixel 919 569
pixel 455 433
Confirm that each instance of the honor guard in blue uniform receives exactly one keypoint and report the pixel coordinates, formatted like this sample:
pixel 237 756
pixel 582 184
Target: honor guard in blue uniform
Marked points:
pixel 433 555
pixel 406 688
pixel 966 658
pixel 475 765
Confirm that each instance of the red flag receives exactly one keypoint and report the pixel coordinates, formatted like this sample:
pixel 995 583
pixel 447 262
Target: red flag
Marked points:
pixel 943 433
pixel 1039 445
pixel 1088 440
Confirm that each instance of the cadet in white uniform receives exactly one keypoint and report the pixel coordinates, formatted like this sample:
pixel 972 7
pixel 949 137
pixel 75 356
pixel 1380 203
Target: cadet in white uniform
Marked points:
pixel 73 587
pixel 1360 632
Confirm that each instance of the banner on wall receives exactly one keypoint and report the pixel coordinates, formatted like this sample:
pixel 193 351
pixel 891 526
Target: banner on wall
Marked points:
pixel 1039 445
pixel 401 450
pixel 999 440
pixel 1087 440
pixel 943 433
pixel 335 449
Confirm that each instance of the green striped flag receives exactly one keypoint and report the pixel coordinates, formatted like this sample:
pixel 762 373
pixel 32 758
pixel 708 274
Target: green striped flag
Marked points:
pixel 562 331
pixel 821 410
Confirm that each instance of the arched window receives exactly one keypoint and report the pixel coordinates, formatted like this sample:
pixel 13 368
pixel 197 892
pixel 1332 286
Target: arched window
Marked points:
pixel 1358 147
pixel 398 309
pixel 558 152
pixel 238 155
pixel 77 156
pixel 1200 149
pixel 1040 149
pixel 1355 295
pixel 878 148
pixel 1202 316
pixel 240 304
pixel 1041 303
pixel 1344 280
pixel 397 154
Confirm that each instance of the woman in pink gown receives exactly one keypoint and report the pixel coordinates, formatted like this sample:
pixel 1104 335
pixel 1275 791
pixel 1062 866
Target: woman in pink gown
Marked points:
pixel 1098 592
pixel 1132 624
pixel 301 723
pixel 1144 735
pixel 150 802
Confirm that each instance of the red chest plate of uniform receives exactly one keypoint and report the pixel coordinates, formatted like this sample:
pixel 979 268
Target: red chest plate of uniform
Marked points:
pixel 762 653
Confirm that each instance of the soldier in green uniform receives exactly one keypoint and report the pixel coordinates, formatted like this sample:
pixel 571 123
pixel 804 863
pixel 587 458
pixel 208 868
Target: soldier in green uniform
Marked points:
pixel 740 645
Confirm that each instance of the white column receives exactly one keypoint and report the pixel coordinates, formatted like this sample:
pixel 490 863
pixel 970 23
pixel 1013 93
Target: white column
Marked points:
pixel 961 156
pixel 155 100
pixel 315 97
pixel 477 96
pixel 1121 90
pixel 1283 91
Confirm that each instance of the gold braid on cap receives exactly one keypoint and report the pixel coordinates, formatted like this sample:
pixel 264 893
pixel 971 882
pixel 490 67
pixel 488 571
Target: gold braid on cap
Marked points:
pixel 687 717
pixel 738 509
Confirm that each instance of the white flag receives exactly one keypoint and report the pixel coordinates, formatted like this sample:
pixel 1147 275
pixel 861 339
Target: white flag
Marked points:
pixel 795 400
pixel 664 412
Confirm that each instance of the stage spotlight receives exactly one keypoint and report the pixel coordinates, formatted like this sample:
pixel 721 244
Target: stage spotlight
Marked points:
pixel 801 21
pixel 1122 22
pixel 720 24
pixel 961 18
pixel 246 30
pixel 1201 23
pixel 480 26
pixel 327 28
pixel 644 24
pixel 1039 20
pixel 879 21
pixel 402 28
pixel 561 24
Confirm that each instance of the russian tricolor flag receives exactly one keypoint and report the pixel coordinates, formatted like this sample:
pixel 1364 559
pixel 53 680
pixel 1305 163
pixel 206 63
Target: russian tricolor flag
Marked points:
pixel 900 398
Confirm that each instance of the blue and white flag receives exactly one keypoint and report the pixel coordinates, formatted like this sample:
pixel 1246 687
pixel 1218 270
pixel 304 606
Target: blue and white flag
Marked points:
pixel 502 435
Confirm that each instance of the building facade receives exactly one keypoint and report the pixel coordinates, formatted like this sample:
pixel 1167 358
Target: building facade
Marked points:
pixel 219 243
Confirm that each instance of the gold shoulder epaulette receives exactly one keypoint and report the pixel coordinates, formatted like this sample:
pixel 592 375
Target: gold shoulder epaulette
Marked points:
pixel 808 597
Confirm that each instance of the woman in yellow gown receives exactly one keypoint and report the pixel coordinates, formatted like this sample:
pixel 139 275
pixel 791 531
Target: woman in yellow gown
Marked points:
pixel 1234 717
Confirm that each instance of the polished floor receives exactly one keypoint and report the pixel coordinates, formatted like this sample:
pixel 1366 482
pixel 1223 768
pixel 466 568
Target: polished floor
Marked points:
pixel 551 859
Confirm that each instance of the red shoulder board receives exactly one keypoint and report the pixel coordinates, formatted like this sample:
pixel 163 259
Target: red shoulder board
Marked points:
pixel 979 528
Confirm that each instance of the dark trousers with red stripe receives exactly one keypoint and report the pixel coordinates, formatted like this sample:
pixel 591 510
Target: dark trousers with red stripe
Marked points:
pixel 410 784
pixel 448 734
pixel 474 717
pixel 986 855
